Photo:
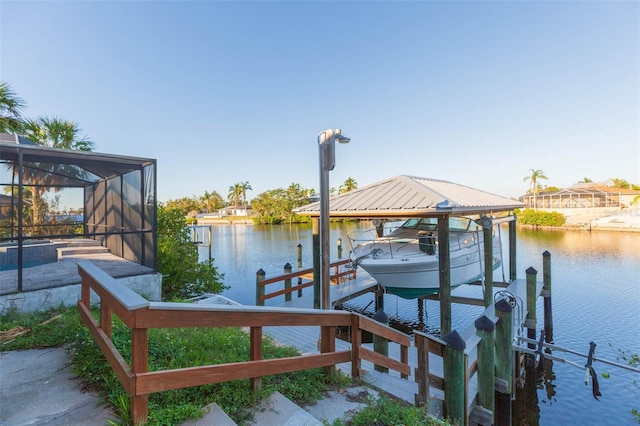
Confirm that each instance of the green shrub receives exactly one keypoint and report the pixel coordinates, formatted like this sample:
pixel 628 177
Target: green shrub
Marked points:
pixel 540 218
pixel 182 275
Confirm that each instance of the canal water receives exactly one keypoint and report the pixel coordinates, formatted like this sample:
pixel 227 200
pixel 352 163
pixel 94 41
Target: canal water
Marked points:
pixel 596 297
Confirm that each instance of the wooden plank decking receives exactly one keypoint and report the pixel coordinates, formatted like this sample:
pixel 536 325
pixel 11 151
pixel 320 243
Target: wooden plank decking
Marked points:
pixel 306 339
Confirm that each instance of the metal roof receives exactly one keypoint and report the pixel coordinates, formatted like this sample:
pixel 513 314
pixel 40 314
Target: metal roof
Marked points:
pixel 412 196
pixel 62 167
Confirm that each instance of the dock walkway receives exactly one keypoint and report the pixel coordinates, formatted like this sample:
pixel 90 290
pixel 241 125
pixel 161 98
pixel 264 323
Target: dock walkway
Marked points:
pixel 306 340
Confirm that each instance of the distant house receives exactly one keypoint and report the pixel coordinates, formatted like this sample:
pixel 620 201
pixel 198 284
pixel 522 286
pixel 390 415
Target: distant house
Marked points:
pixel 226 212
pixel 583 195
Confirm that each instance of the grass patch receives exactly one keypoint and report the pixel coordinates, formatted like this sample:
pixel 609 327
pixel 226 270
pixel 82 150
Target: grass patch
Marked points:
pixel 168 348
pixel 386 411
pixel 177 348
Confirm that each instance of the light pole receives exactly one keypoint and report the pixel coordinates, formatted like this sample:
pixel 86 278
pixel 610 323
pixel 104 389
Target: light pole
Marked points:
pixel 326 148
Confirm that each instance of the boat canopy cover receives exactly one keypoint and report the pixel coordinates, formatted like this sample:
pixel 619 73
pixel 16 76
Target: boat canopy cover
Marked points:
pixel 412 196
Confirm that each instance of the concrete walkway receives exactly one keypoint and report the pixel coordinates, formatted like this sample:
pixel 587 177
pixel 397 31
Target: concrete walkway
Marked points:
pixel 38 387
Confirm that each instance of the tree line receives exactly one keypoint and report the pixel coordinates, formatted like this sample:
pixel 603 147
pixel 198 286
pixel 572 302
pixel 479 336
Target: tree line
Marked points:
pixel 270 207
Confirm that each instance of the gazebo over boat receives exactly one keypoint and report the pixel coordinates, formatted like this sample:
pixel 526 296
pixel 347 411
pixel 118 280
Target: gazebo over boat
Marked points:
pixel 406 196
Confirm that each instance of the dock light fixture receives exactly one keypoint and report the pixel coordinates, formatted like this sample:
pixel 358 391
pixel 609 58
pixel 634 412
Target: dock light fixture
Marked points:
pixel 326 148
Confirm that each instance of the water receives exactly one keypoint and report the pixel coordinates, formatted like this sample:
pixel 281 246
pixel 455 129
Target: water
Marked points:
pixel 596 297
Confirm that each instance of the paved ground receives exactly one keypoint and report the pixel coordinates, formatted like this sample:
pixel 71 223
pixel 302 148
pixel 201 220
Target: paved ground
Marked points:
pixel 38 387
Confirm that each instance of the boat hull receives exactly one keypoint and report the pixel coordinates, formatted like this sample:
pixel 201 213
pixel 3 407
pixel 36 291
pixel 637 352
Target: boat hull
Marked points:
pixel 414 277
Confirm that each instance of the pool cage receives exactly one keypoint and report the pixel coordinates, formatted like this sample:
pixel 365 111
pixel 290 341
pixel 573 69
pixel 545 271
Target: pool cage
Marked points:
pixel 117 195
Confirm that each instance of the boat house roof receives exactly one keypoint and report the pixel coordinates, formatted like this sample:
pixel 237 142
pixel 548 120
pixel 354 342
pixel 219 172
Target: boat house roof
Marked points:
pixel 412 196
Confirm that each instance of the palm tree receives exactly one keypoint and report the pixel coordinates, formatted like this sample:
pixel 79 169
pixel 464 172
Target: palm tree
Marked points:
pixel 246 186
pixel 349 185
pixel 52 133
pixel 235 194
pixel 533 178
pixel 620 183
pixel 211 201
pixel 10 109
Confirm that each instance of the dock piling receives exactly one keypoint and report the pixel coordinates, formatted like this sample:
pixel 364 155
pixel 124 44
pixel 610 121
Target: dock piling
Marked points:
pixel 287 282
pixel 531 320
pixel 339 248
pixel 380 344
pixel 259 287
pixel 455 373
pixel 546 293
pixel 504 363
pixel 485 328
pixel 299 267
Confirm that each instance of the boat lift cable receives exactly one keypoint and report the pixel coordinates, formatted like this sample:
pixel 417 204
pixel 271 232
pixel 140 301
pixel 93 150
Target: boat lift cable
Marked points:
pixel 561 349
pixel 590 374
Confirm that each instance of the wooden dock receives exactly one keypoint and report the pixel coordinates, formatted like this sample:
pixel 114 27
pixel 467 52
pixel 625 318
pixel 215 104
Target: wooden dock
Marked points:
pixel 306 340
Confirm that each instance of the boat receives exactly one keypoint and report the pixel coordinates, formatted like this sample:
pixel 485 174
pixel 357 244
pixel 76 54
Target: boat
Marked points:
pixel 405 260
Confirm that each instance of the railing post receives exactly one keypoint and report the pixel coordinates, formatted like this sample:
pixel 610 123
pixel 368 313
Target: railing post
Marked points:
pixel 455 373
pixel 531 320
pixel 299 267
pixel 255 350
pixel 287 282
pixel 106 322
pixel 339 248
pixel 259 287
pixel 422 371
pixel 548 312
pixel 486 363
pixel 380 344
pixel 139 364
pixel 328 344
pixel 356 339
pixel 504 363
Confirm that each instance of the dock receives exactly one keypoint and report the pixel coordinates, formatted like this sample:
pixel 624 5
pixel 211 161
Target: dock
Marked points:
pixel 307 340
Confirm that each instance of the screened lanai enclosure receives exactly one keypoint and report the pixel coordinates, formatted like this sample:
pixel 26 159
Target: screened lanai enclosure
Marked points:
pixel 52 196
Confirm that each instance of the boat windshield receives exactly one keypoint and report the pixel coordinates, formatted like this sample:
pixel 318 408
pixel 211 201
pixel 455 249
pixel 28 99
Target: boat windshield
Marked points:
pixel 460 224
pixel 421 224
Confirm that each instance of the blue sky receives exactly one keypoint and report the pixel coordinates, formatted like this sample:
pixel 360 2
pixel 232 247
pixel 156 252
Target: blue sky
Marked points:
pixel 476 93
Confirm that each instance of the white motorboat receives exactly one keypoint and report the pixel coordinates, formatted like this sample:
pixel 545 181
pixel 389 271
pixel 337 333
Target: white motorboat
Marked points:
pixel 405 261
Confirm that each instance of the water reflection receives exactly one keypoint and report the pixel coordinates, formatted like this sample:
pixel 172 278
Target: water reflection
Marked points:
pixel 596 297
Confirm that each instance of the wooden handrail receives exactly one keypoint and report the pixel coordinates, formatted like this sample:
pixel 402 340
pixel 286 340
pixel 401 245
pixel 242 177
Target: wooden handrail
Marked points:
pixel 141 315
pixel 301 274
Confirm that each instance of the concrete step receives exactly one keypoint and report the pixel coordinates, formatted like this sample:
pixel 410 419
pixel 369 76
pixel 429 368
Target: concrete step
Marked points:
pixel 213 415
pixel 71 251
pixel 278 410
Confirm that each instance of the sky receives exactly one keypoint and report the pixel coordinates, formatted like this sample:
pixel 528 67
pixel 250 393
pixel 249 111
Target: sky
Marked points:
pixel 477 93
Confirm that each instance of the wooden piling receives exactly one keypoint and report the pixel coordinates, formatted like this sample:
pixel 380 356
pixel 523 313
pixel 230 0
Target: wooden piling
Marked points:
pixel 531 320
pixel 444 263
pixel 339 248
pixel 315 230
pixel 487 233
pixel 546 293
pixel 299 267
pixel 454 377
pixel 380 344
pixel 287 282
pixel 513 271
pixel 259 287
pixel 504 363
pixel 486 363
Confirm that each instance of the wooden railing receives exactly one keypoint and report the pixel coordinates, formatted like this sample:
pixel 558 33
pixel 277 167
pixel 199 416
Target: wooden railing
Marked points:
pixel 140 315
pixel 305 279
